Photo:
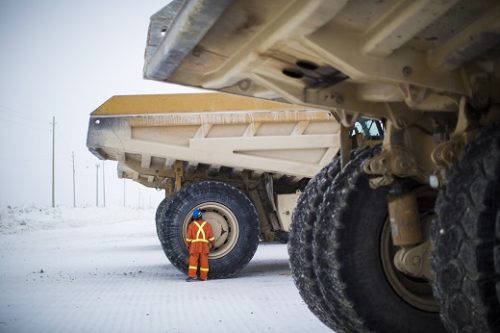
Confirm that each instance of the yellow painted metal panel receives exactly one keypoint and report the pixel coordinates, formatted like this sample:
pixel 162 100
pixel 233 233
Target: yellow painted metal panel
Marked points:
pixel 141 104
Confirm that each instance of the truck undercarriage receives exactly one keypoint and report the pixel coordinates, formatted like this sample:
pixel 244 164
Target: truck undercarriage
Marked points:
pixel 406 235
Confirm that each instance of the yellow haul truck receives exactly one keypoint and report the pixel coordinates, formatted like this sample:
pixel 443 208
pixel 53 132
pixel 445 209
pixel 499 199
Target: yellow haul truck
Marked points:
pixel 406 236
pixel 240 160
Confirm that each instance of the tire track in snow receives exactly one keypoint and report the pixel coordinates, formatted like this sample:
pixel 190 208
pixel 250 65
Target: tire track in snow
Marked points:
pixel 114 278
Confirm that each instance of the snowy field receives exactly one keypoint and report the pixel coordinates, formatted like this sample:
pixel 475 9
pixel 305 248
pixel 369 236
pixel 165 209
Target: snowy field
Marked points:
pixel 103 270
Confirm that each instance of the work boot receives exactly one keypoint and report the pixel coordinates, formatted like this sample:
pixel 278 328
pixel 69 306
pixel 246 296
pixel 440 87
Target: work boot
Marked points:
pixel 191 279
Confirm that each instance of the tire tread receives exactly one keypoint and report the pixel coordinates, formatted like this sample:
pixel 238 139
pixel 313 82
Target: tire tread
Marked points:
pixel 465 236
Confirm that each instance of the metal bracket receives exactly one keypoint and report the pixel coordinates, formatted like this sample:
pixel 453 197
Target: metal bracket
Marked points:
pixel 179 173
pixel 345 145
pixel 462 121
pixel 169 187
pixel 447 153
pixel 269 186
pixel 395 160
pixel 345 118
pixel 414 261
pixel 401 118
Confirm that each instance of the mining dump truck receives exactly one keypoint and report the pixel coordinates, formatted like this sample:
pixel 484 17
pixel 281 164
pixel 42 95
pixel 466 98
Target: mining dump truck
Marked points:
pixel 240 160
pixel 399 237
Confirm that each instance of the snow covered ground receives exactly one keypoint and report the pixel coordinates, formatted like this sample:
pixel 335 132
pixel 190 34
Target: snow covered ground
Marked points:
pixel 103 270
pixel 21 219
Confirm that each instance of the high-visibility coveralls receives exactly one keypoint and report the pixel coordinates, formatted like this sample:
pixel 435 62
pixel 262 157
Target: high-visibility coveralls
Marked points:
pixel 198 238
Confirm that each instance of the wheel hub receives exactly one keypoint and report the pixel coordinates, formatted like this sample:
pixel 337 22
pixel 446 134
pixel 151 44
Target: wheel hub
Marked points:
pixel 224 225
pixel 415 291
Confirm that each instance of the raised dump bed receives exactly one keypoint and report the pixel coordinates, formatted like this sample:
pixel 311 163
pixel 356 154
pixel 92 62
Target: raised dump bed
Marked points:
pixel 241 160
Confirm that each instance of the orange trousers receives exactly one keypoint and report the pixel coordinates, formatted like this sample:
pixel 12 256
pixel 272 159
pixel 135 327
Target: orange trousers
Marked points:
pixel 193 265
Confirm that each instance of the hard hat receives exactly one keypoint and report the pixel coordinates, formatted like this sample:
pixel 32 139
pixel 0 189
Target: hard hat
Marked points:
pixel 196 214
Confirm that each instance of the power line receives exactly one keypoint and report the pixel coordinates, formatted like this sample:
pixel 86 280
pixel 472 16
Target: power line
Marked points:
pixel 21 117
pixel 34 117
pixel 97 185
pixel 21 123
pixel 123 192
pixel 103 186
pixel 74 188
pixel 53 160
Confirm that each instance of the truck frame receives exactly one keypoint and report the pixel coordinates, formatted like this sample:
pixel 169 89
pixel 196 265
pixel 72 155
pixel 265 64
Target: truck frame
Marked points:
pixel 401 237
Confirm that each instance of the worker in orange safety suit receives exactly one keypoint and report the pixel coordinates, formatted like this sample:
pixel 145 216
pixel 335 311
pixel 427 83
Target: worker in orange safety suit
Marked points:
pixel 199 240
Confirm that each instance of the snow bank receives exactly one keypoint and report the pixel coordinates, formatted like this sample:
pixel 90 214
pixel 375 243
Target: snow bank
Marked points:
pixel 21 219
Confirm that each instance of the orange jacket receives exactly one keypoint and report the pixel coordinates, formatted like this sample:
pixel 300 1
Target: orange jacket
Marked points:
pixel 198 237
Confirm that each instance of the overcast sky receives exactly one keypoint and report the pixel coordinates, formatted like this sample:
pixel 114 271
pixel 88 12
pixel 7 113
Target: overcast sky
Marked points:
pixel 64 58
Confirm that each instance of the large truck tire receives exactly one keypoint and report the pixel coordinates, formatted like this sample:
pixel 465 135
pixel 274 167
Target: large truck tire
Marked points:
pixel 466 239
pixel 159 217
pixel 232 216
pixel 301 240
pixel 353 252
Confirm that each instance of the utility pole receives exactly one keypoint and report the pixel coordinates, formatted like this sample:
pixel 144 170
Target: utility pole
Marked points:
pixel 124 192
pixel 53 160
pixel 97 185
pixel 103 186
pixel 74 188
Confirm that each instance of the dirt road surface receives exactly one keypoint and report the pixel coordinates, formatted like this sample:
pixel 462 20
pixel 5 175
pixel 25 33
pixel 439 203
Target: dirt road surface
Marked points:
pixel 115 278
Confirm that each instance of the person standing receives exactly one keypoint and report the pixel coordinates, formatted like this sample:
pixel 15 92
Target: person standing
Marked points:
pixel 199 240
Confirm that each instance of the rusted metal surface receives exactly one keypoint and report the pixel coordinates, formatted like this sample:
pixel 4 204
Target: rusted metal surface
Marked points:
pixel 406 228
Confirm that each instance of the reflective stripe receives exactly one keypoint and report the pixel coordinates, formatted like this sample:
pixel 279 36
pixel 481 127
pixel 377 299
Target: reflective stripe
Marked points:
pixel 204 269
pixel 211 238
pixel 192 267
pixel 200 231
pixel 188 239
pixel 200 241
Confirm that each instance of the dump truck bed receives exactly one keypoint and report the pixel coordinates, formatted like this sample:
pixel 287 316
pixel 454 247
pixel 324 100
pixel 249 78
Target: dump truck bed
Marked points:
pixel 379 58
pixel 210 133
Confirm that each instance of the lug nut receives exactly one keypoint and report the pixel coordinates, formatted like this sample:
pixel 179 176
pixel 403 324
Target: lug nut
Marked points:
pixel 433 181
